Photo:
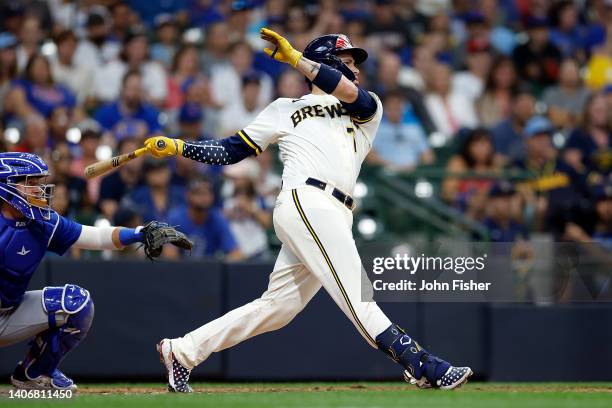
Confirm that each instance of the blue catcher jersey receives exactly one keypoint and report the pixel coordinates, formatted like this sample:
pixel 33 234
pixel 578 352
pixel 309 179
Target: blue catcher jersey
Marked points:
pixel 23 244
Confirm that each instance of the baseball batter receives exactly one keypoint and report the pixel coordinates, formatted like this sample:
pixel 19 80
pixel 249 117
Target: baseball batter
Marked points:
pixel 58 318
pixel 323 138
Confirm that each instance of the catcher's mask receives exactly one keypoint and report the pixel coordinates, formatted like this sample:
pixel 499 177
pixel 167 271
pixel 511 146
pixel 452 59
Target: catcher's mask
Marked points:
pixel 23 184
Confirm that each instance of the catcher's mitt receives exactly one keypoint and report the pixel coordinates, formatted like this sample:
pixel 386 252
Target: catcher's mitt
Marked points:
pixel 156 234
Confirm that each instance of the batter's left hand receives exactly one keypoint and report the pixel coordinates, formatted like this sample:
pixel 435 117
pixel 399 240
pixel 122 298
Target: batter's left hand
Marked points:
pixel 283 52
pixel 162 146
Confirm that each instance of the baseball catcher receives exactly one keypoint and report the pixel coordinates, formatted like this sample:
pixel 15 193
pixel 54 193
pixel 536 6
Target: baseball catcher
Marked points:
pixel 323 138
pixel 58 318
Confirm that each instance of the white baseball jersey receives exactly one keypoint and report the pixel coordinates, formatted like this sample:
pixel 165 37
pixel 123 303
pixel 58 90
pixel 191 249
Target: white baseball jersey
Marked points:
pixel 316 137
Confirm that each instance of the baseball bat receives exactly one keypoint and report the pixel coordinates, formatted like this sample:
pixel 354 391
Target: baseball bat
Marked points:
pixel 104 166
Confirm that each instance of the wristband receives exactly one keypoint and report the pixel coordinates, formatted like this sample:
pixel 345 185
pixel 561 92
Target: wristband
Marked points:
pixel 128 236
pixel 327 78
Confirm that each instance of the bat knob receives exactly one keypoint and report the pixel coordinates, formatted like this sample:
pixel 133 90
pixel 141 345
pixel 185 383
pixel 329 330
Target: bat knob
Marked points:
pixel 161 145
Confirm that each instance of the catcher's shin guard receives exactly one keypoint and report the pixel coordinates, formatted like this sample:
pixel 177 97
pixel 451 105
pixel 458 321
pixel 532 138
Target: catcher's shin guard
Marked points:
pixel 422 368
pixel 49 348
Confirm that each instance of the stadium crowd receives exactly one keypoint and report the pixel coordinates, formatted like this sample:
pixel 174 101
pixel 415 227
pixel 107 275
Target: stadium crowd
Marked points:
pixel 511 86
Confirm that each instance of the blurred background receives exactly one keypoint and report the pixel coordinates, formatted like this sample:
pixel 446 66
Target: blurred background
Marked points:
pixel 496 128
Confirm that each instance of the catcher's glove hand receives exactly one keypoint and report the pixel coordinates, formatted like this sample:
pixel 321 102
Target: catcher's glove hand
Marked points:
pixel 156 234
pixel 284 51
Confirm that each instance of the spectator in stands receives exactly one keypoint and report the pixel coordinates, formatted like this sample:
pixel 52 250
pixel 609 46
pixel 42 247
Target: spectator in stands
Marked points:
pixel 58 124
pixel 501 215
pixel 61 157
pixel 538 60
pixel 129 108
pixel 134 56
pixel 386 28
pixel 89 143
pixel 96 49
pixel 122 18
pixel 158 194
pixel 589 147
pixel 554 187
pixel 401 143
pixel 30 37
pixel 8 65
pixel 204 224
pixel 508 134
pixel 60 203
pixel 190 122
pixel 167 34
pixel 450 111
pixel 249 218
pixel 35 137
pixel 184 70
pixel 79 79
pixel 242 111
pixel 37 93
pixel 291 84
pixel 602 230
pixel 216 47
pixel 476 160
pixel 121 182
pixel 495 104
pixel 226 81
pixel 568 34
pixel 471 82
pixel 387 73
pixel 566 100
pixel 423 58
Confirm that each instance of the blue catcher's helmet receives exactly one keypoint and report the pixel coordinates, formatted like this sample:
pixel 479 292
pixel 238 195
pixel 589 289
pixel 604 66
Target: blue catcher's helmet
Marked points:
pixel 323 49
pixel 16 170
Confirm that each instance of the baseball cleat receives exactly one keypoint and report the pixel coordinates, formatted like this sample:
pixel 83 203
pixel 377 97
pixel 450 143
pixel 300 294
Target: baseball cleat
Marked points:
pixel 56 381
pixel 178 376
pixel 454 378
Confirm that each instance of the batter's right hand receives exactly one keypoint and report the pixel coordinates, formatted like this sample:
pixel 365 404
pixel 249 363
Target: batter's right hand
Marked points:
pixel 283 50
pixel 162 146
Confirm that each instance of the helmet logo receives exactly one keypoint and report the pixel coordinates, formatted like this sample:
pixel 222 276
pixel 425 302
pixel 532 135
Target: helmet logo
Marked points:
pixel 343 42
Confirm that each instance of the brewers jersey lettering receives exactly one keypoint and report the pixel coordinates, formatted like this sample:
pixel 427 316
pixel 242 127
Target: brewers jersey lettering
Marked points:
pixel 317 138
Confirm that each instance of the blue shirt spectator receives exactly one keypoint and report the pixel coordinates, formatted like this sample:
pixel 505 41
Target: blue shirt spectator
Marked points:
pixel 40 92
pixel 204 224
pixel 129 111
pixel 401 142
pixel 155 198
pixel 210 237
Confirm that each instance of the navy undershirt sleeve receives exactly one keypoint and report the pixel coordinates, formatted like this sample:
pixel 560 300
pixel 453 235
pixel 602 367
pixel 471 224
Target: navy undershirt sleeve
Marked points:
pixel 225 151
pixel 364 106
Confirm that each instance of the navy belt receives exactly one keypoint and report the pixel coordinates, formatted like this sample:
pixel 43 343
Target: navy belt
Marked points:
pixel 345 199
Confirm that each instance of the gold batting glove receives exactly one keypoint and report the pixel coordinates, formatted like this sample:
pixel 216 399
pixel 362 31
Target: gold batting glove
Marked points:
pixel 283 52
pixel 162 146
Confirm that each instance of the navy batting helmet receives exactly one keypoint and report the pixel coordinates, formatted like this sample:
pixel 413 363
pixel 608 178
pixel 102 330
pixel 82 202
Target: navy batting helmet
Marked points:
pixel 323 49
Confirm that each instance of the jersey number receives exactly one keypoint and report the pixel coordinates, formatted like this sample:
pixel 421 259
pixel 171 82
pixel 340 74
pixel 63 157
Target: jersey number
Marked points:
pixel 351 132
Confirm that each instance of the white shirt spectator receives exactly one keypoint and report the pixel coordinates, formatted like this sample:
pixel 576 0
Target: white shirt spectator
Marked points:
pixel 234 117
pixel 467 84
pixel 109 77
pixel 451 115
pixel 226 86
pixel 78 78
pixel 87 53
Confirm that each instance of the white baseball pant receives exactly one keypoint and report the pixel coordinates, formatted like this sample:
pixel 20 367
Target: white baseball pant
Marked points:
pixel 318 250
